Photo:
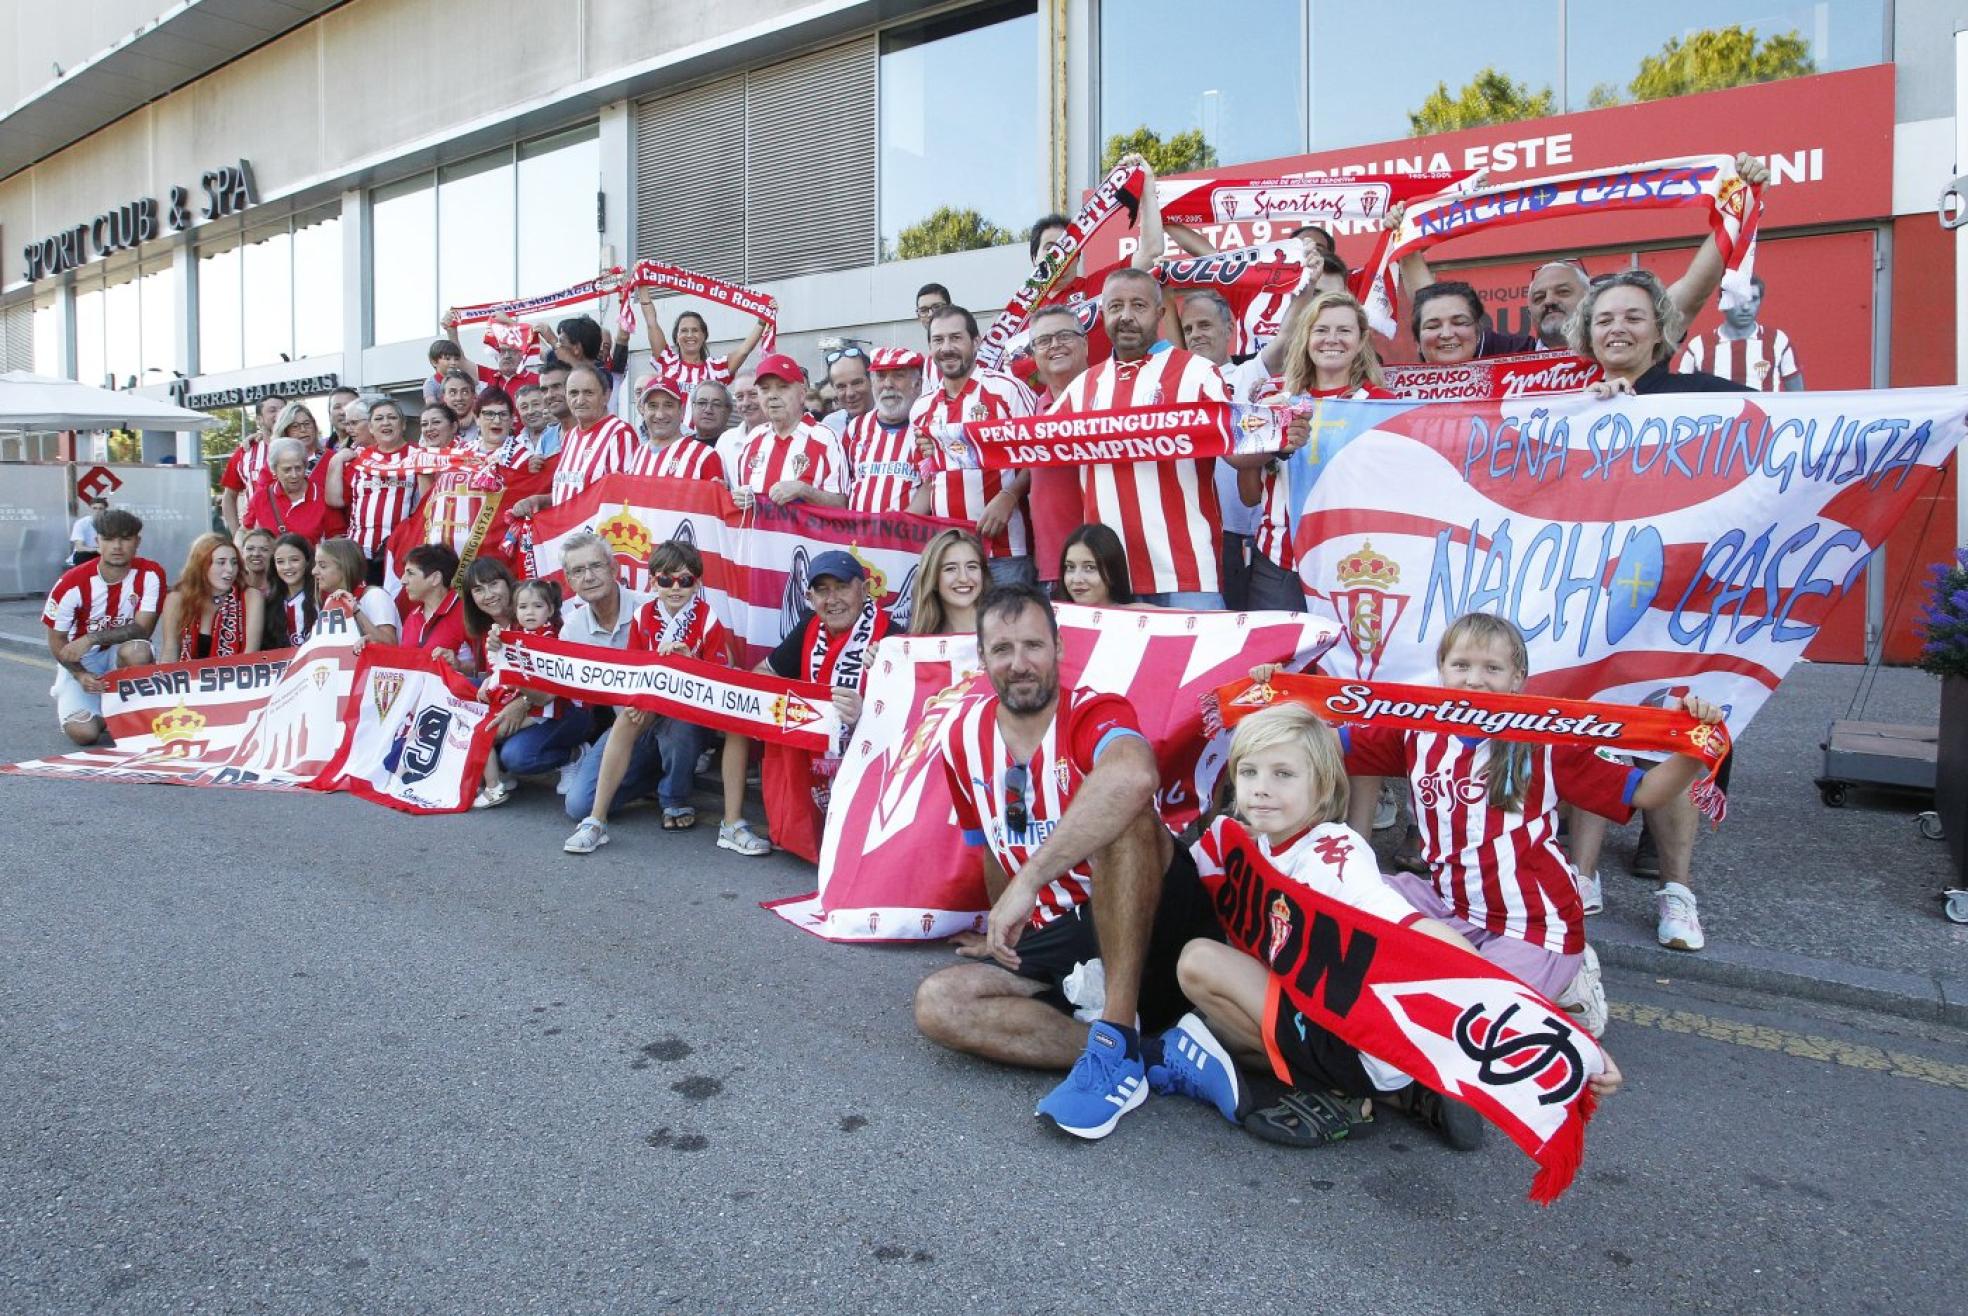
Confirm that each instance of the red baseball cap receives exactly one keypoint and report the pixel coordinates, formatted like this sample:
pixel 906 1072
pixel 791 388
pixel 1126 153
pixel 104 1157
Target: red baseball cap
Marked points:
pixel 777 365
pixel 896 358
pixel 659 384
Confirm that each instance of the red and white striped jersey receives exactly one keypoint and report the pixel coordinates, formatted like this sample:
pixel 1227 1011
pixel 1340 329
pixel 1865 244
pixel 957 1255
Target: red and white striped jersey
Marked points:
pixel 671 365
pixel 489 377
pixel 1501 871
pixel 881 461
pixel 681 459
pixel 974 755
pixel 1275 524
pixel 1761 361
pixel 247 469
pixel 811 453
pixel 379 489
pixel 962 495
pixel 1164 512
pixel 82 602
pixel 592 453
pixel 705 637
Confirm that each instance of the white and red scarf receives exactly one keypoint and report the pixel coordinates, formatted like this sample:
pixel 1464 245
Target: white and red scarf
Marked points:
pixel 797 714
pixel 677 627
pixel 674 278
pixel 228 629
pixel 1457 1023
pixel 840 662
pixel 1490 377
pixel 1303 199
pixel 612 281
pixel 1119 191
pixel 1709 182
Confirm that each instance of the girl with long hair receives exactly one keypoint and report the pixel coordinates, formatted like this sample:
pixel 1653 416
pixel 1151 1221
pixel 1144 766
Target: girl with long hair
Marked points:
pixel 290 608
pixel 341 584
pixel 950 582
pixel 1093 569
pixel 210 613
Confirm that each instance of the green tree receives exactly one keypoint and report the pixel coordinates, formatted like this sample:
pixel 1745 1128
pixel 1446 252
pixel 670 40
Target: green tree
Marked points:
pixel 1489 97
pixel 1719 57
pixel 949 229
pixel 218 443
pixel 1179 154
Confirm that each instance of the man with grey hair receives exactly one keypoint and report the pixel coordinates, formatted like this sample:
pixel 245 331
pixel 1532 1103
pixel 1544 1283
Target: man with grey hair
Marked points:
pixel 600 613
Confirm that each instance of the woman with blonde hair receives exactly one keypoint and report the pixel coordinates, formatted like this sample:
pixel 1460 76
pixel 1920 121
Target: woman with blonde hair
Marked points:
pixel 341 584
pixel 950 582
pixel 210 613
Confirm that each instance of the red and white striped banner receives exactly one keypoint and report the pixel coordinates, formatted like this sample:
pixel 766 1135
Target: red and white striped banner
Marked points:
pixel 1177 431
pixel 1301 199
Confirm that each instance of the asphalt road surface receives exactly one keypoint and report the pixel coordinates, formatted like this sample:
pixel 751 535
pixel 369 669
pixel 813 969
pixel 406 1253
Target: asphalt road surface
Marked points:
pixel 288 1053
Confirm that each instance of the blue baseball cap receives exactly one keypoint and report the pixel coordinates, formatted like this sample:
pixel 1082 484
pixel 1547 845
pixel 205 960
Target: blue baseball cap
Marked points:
pixel 839 565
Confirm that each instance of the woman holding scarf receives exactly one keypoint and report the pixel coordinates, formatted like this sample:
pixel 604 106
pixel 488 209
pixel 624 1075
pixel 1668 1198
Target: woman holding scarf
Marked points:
pixel 210 614
pixel 682 356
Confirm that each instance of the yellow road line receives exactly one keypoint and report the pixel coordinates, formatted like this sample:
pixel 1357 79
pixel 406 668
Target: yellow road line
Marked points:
pixel 1805 1046
pixel 45 664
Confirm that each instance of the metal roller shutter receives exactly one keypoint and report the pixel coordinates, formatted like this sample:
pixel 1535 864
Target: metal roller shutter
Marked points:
pixel 690 179
pixel 812 141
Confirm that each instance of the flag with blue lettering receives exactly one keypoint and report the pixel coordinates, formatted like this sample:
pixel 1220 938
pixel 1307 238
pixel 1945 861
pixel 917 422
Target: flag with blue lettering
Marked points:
pixel 1687 541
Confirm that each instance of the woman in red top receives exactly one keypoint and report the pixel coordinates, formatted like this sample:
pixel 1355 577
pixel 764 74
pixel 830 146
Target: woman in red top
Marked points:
pixel 433 615
pixel 1330 355
pixel 209 614
pixel 293 501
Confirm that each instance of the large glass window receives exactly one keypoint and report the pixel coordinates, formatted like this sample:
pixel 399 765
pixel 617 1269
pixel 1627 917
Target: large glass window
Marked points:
pixel 403 221
pixel 220 346
pixel 90 364
pixel 1376 78
pixel 122 329
pixel 267 272
pixel 318 283
pixel 1620 53
pixel 559 177
pixel 157 299
pixel 1231 96
pixel 48 340
pixel 513 222
pixel 959 131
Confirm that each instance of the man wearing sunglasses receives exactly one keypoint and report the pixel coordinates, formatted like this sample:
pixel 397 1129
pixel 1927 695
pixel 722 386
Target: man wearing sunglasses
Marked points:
pixel 847 371
pixel 1087 884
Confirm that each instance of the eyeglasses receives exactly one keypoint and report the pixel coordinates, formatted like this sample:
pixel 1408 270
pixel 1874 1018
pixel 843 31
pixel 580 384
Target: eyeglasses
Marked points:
pixel 924 312
pixel 682 580
pixel 1046 342
pixel 1017 780
pixel 849 350
pixel 587 569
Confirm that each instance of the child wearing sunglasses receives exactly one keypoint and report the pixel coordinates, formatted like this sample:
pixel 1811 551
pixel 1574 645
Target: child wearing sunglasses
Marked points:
pixel 645 753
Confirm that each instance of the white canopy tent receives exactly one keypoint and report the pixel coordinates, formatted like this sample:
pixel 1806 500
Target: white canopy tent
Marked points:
pixel 35 404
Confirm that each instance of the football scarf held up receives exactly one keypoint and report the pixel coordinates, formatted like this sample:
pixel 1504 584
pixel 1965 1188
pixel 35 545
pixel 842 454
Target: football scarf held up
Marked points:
pixel 1119 191
pixel 674 278
pixel 602 285
pixel 1522 374
pixel 1534 719
pixel 1181 431
pixel 797 714
pixel 1332 199
pixel 1460 1025
pixel 1707 182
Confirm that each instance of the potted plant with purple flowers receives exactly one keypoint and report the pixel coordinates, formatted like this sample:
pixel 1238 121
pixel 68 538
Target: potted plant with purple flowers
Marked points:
pixel 1944 652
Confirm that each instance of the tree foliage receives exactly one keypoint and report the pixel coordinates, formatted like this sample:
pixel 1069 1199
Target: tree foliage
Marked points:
pixel 1179 154
pixel 1489 97
pixel 949 229
pixel 1711 60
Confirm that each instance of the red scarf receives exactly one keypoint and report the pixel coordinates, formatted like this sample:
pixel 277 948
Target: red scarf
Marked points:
pixel 839 660
pixel 1457 1023
pixel 1334 198
pixel 519 307
pixel 1531 718
pixel 674 278
pixel 228 628
pixel 1491 377
pixel 1179 431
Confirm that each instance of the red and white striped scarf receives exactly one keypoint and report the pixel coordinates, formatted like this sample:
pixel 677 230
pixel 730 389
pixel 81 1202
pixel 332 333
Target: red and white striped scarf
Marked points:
pixel 1336 198
pixel 228 629
pixel 840 663
pixel 677 627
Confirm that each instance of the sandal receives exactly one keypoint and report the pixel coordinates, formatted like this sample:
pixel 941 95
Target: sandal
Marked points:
pixel 1458 1125
pixel 1306 1117
pixel 679 818
pixel 739 836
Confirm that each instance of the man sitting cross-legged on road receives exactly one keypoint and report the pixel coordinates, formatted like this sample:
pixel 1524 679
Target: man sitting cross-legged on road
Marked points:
pixel 1060 787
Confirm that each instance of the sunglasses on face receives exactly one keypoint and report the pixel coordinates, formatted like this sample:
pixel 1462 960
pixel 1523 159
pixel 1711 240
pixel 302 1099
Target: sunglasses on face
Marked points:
pixel 849 351
pixel 682 580
pixel 1017 780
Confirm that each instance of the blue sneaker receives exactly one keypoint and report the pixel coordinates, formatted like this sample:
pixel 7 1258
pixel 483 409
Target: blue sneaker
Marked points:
pixel 1105 1084
pixel 1194 1064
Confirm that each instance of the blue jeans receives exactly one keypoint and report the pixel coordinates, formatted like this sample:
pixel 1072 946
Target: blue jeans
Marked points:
pixel 663 763
pixel 1011 570
pixel 546 744
pixel 1273 589
pixel 1188 600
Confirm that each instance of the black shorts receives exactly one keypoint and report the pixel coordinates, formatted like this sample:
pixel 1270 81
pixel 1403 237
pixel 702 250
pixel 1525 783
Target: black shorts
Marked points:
pixel 1313 1057
pixel 374 573
pixel 1051 953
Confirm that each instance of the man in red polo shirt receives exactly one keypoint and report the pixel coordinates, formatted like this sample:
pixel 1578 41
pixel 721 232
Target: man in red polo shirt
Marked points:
pixel 433 618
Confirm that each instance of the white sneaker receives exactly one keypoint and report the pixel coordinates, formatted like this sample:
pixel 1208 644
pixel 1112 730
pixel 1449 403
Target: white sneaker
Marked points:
pixel 566 777
pixel 1680 926
pixel 1592 892
pixel 1585 998
pixel 1387 809
pixel 491 797
pixel 589 837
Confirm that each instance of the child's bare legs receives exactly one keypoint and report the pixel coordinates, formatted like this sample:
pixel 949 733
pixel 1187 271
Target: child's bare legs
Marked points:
pixel 731 766
pixel 616 752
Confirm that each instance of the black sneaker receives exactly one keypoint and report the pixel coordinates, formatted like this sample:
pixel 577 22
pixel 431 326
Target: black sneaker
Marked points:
pixel 1456 1124
pixel 1646 860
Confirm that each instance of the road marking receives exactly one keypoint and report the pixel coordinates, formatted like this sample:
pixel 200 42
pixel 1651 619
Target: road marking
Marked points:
pixel 1805 1046
pixel 44 664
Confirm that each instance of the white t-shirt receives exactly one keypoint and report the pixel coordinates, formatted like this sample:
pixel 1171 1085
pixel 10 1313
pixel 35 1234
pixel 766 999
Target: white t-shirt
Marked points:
pixel 1245 380
pixel 83 532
